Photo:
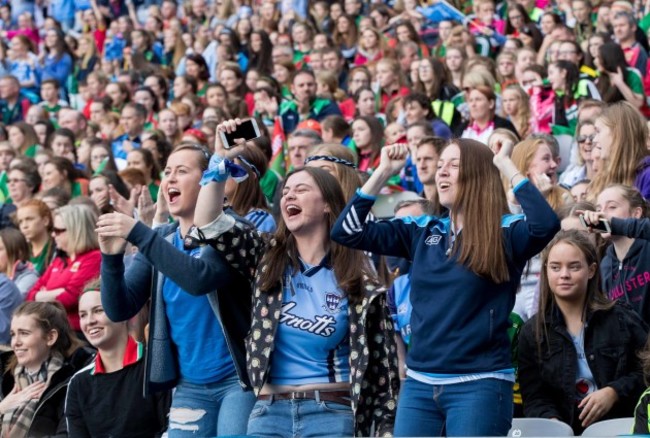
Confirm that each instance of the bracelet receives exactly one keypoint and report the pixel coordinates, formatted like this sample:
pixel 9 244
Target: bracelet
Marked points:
pixel 220 169
pixel 513 177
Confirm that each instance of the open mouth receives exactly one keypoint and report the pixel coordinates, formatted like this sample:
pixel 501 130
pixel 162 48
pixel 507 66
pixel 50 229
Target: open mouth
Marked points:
pixel 444 185
pixel 173 194
pixel 293 210
pixel 94 331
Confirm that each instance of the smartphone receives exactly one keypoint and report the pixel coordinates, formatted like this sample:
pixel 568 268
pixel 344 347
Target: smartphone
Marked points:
pixel 601 227
pixel 248 130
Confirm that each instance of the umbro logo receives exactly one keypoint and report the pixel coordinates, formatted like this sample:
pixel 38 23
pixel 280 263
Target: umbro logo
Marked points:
pixel 434 239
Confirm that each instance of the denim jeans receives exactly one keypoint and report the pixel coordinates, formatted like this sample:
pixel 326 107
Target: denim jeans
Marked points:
pixel 300 418
pixel 477 408
pixel 209 410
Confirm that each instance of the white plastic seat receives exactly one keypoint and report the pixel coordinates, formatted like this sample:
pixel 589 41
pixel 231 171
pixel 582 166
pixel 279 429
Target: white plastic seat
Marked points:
pixel 615 427
pixel 524 427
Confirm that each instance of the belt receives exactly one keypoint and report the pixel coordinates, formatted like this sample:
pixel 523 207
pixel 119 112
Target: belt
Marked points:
pixel 340 397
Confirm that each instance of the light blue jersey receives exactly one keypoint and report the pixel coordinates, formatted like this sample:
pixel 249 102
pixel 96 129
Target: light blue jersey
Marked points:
pixel 263 220
pixel 312 344
pixel 202 350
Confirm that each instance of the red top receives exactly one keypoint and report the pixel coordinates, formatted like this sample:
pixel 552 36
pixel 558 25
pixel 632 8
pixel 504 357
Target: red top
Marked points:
pixel 132 354
pixel 385 97
pixel 72 276
pixel 348 109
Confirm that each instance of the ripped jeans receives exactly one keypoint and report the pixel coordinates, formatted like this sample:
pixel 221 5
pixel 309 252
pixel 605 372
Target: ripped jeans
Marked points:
pixel 210 410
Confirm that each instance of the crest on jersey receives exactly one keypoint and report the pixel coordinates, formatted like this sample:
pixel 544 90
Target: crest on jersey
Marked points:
pixel 332 302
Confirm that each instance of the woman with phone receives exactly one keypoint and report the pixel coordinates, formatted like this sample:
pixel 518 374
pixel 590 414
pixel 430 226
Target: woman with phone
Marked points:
pixel 626 263
pixel 196 345
pixel 465 274
pixel 321 353
pixel 578 355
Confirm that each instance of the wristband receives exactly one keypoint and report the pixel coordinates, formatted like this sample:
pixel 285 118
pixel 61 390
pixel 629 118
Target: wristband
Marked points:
pixel 220 169
pixel 513 177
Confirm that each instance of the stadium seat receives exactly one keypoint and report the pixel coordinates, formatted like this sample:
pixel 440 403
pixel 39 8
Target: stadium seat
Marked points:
pixel 523 427
pixel 618 426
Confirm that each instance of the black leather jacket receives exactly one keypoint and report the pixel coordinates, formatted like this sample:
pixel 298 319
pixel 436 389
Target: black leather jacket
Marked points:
pixel 612 340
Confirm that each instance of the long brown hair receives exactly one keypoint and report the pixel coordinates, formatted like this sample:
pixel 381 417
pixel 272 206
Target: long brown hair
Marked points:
pixel 350 266
pixel 595 299
pixel 16 247
pixel 248 193
pixel 483 202
pixel 49 316
pixel 628 148
pixel 30 137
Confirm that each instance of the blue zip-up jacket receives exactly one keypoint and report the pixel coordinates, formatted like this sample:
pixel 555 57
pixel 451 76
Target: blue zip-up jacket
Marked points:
pixel 460 320
pixel 125 293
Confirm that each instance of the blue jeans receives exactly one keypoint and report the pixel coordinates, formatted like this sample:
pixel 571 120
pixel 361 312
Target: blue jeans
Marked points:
pixel 300 418
pixel 478 408
pixel 210 410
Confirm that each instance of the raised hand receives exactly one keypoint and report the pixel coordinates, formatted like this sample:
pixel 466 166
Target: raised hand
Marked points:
pixel 120 203
pixel 393 158
pixel 115 225
pixel 228 127
pixel 146 208
pixel 162 208
pixel 502 151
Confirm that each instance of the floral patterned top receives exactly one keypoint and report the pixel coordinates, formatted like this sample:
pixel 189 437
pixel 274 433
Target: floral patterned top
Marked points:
pixel 373 354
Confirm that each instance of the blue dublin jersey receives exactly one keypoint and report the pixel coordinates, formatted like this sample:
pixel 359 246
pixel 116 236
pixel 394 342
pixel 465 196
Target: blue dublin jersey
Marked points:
pixel 312 344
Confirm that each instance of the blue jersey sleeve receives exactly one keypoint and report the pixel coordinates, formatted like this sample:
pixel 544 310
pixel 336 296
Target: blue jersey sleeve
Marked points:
pixel 382 237
pixel 540 223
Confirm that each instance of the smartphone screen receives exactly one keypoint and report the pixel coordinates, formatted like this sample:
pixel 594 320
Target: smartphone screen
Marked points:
pixel 248 130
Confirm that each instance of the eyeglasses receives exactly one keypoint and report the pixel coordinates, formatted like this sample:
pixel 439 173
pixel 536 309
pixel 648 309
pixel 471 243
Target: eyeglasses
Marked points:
pixel 58 231
pixel 585 138
pixel 566 52
pixel 516 17
pixel 16 180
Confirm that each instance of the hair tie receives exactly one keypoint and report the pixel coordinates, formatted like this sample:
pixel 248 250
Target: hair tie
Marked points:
pixel 331 159
pixel 250 165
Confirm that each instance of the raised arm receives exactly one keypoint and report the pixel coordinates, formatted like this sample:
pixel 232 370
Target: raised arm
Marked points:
pixel 383 237
pixel 209 205
pixel 196 276
pixel 540 223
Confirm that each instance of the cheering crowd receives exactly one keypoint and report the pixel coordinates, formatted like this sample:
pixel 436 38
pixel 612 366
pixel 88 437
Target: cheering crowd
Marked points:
pixel 442 225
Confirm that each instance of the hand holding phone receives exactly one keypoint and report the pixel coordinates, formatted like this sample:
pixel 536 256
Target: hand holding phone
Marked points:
pixel 595 224
pixel 237 132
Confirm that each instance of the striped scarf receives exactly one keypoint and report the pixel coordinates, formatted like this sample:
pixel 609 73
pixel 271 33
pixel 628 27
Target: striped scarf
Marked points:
pixel 16 422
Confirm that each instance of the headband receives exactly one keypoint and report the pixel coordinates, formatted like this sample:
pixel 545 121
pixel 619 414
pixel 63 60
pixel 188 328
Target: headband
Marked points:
pixel 331 159
pixel 250 165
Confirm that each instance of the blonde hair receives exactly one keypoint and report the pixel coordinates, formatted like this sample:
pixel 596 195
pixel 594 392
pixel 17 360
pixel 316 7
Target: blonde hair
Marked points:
pixel 332 83
pixel 628 147
pixel 522 156
pixel 522 119
pixel 79 221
